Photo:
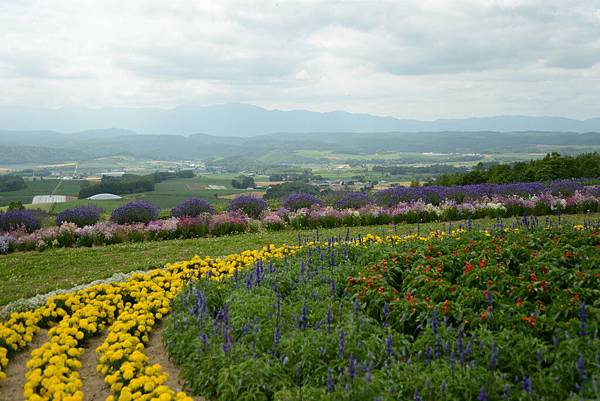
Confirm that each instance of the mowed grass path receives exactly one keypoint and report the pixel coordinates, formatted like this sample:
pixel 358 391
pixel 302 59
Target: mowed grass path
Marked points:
pixel 26 274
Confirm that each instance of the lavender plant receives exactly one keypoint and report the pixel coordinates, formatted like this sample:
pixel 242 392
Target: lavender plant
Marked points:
pixel 252 206
pixel 15 219
pixel 300 201
pixel 192 207
pixel 139 211
pixel 80 216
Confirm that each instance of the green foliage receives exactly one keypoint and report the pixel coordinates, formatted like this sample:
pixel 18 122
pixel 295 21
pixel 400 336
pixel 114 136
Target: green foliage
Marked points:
pixel 243 182
pixel 16 206
pixel 302 329
pixel 9 183
pixel 287 188
pixel 130 183
pixel 552 167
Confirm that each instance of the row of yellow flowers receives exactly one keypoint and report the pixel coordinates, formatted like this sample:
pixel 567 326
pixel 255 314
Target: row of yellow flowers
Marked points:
pixel 130 309
pixel 52 370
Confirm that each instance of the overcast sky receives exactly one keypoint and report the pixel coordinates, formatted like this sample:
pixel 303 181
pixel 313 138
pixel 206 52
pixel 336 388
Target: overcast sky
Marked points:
pixel 410 59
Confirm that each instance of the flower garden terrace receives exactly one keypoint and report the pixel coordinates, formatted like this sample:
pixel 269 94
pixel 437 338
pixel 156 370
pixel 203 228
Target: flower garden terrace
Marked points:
pixel 240 334
pixel 138 222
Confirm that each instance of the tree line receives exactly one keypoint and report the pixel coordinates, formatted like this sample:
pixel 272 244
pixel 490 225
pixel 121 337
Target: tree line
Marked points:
pixel 130 183
pixel 11 183
pixel 552 167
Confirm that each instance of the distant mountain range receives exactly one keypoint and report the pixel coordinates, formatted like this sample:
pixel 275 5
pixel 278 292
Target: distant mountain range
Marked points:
pixel 17 147
pixel 242 120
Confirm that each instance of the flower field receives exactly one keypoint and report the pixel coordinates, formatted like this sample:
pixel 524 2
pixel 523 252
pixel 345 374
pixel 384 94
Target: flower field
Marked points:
pixel 511 315
pixel 393 206
pixel 505 314
pixel 128 310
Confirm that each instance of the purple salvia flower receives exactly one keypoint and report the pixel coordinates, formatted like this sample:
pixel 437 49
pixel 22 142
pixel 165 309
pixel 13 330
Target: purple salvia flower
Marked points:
pixel 342 343
pixel 329 382
pixel 302 319
pixel 428 354
pixel 366 368
pixel 581 369
pixel 494 356
pixel 443 389
pixel 204 339
pixel 483 396
pixel 328 319
pixel 277 337
pixel 386 314
pixel 527 385
pixel 506 392
pixel 352 365
pixel 418 395
pixel 389 345
pixel 333 288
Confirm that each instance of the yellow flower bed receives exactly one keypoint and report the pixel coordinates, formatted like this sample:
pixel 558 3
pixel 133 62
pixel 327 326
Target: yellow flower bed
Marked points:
pixel 141 300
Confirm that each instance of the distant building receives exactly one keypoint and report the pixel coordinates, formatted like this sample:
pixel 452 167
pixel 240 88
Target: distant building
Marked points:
pixel 114 174
pixel 104 197
pixel 48 199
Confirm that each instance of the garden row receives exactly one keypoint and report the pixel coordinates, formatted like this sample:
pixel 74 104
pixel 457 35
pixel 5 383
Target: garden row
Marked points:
pixel 510 315
pixel 138 221
pixel 129 310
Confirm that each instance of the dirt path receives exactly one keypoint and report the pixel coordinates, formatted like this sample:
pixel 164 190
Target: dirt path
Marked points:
pixel 157 354
pixel 94 388
pixel 11 389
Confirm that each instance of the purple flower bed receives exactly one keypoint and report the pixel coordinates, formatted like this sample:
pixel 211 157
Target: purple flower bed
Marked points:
pixel 80 216
pixel 15 219
pixel 136 228
pixel 436 194
pixel 300 200
pixel 192 207
pixel 251 205
pixel 139 211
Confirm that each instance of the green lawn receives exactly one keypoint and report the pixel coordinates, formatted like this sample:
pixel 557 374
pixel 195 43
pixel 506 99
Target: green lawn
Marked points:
pixel 26 274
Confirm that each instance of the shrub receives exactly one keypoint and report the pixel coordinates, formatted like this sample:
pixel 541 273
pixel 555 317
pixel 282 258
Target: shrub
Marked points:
pixel 251 205
pixel 353 200
pixel 14 219
pixel 193 227
pixel 228 223
pixel 81 216
pixel 273 222
pixel 139 211
pixel 300 200
pixel 192 207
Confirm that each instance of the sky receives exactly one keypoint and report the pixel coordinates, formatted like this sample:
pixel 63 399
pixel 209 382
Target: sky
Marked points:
pixel 408 59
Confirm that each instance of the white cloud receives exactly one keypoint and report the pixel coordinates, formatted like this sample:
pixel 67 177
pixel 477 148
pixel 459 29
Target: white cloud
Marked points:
pixel 413 59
